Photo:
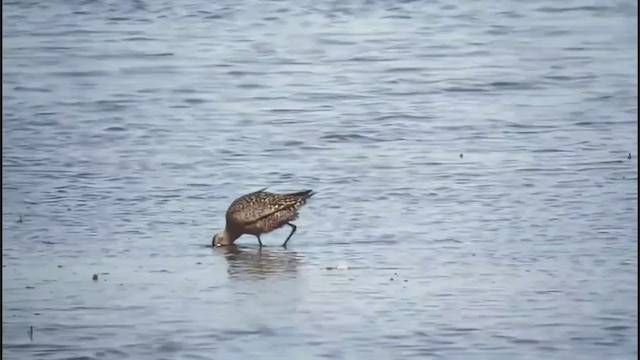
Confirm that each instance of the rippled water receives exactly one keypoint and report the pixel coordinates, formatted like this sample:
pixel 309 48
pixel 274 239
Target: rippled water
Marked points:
pixel 471 161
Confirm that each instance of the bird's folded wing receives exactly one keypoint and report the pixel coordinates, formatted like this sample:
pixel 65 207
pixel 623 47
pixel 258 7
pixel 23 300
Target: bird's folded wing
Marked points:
pixel 260 206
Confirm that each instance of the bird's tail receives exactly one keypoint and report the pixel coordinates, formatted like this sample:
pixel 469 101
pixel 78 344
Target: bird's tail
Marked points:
pixel 303 194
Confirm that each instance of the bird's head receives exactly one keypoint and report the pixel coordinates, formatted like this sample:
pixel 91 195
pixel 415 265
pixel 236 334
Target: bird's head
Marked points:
pixel 220 239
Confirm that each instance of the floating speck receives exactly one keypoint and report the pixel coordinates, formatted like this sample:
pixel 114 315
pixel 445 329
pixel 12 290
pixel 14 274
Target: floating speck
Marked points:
pixel 95 277
pixel 20 219
pixel 339 267
pixel 629 156
pixel 461 156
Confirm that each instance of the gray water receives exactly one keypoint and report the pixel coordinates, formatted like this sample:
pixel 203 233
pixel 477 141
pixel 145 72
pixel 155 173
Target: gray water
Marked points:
pixel 475 199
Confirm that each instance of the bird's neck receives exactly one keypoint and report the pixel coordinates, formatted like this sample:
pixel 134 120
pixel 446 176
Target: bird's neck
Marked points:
pixel 230 236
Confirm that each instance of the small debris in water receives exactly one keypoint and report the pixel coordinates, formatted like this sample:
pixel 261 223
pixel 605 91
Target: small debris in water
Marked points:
pixel 36 314
pixel 59 266
pixel 461 156
pixel 391 279
pixel 339 267
pixel 20 219
pixel 95 277
pixel 629 156
pixel 405 280
pixel 31 332
pixel 198 263
pixel 29 287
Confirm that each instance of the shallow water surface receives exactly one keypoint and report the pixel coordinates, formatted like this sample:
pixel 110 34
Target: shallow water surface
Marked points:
pixel 475 168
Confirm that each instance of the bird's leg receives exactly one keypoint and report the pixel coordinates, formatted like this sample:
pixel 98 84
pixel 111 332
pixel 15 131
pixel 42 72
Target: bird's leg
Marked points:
pixel 293 230
pixel 260 242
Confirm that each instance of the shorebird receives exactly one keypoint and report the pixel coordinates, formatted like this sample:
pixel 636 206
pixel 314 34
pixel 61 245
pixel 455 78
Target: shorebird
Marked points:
pixel 259 213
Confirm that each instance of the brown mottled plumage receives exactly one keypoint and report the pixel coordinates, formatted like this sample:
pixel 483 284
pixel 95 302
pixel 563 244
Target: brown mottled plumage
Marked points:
pixel 259 213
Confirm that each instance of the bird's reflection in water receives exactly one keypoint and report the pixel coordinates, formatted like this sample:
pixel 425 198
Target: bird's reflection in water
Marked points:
pixel 259 263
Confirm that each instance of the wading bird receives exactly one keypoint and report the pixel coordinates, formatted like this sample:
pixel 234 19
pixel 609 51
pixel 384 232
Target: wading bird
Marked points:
pixel 259 213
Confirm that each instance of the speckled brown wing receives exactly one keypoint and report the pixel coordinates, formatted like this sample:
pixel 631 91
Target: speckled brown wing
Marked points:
pixel 240 208
pixel 250 210
pixel 274 221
